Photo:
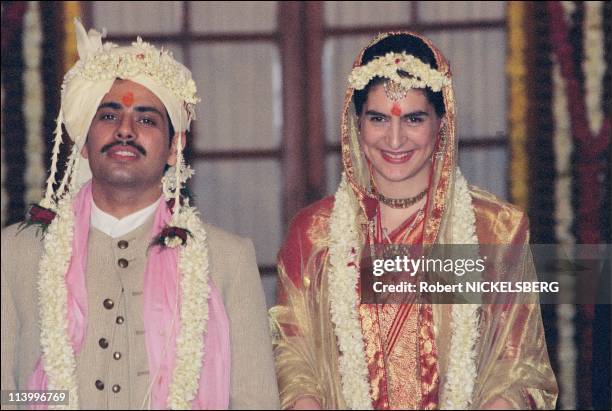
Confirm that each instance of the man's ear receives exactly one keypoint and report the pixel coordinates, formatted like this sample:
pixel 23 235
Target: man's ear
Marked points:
pixel 171 161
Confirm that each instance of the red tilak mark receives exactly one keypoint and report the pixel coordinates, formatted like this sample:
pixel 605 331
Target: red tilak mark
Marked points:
pixel 396 110
pixel 128 99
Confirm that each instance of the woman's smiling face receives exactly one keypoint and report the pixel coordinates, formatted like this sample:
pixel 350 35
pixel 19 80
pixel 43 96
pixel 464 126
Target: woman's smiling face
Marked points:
pixel 398 139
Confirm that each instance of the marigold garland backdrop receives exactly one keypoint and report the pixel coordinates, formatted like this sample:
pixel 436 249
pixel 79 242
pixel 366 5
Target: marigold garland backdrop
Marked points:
pixel 559 119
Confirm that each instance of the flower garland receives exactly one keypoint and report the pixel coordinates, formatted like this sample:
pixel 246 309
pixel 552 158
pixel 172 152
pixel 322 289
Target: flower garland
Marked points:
pixel 591 145
pixel 58 355
pixel 565 313
pixel 594 64
pixel 57 352
pixel 563 146
pixel 195 270
pixel 461 372
pixel 516 71
pixel 343 278
pixel 422 74
pixel 569 7
pixel 594 69
pixel 33 102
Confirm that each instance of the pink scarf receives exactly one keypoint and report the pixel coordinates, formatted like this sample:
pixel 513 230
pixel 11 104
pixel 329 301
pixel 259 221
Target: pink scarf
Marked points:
pixel 161 280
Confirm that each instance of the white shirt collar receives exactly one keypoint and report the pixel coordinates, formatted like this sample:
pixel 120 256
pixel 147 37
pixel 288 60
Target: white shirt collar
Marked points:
pixel 114 227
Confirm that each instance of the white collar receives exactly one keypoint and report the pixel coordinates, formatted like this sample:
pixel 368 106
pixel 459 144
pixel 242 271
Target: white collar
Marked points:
pixel 114 227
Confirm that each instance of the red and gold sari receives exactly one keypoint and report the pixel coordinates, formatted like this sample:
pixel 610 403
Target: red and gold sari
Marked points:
pixel 399 339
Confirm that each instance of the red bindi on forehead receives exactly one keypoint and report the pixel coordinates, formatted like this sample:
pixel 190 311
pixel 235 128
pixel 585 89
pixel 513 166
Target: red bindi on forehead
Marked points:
pixel 396 110
pixel 128 99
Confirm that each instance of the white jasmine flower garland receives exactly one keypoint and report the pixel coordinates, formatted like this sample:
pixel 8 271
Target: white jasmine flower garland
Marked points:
pixel 594 63
pixel 422 74
pixel 461 372
pixel 344 302
pixel 343 278
pixel 563 144
pixel 33 102
pixel 195 287
pixel 57 352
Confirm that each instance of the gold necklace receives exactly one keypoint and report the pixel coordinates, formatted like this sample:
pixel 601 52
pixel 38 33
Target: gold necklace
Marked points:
pixel 399 202
pixel 395 202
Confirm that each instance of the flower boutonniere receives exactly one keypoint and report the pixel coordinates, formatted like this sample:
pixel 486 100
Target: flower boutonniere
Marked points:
pixel 38 216
pixel 171 237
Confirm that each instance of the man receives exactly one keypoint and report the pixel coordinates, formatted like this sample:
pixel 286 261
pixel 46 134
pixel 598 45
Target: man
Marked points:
pixel 129 300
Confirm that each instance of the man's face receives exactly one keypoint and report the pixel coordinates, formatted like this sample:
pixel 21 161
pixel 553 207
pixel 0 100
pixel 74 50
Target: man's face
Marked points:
pixel 128 143
pixel 398 137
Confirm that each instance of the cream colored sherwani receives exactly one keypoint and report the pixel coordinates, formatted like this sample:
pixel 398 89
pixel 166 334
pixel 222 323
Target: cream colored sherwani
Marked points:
pixel 112 367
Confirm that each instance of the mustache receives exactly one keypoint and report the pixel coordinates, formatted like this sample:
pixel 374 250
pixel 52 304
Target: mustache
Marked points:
pixel 130 143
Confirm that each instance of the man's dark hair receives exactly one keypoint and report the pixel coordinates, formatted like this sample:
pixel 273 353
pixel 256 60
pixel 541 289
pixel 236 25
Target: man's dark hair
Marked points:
pixel 399 43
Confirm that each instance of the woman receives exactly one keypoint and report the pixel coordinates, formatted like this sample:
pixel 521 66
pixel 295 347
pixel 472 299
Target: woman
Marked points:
pixel 401 185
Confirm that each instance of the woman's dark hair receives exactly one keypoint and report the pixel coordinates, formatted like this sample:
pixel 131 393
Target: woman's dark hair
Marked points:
pixel 399 43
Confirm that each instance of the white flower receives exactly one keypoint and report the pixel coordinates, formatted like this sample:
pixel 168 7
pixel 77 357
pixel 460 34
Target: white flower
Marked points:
pixel 563 147
pixel 33 101
pixel 457 391
pixel 110 62
pixel 343 300
pixel 594 63
pixel 461 372
pixel 422 75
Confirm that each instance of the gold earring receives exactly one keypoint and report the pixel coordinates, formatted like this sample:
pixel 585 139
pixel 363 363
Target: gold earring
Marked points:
pixel 442 140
